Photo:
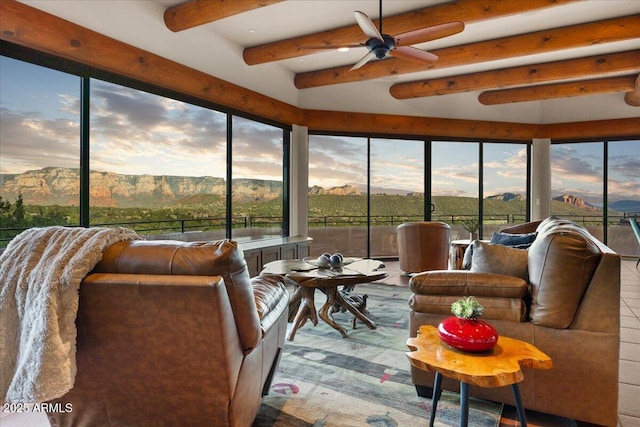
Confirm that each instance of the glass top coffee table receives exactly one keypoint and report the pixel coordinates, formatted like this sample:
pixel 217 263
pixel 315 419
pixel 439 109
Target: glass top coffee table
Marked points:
pixel 309 277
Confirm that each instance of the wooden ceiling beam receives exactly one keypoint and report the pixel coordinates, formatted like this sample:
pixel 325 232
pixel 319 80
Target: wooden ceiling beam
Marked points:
pixel 632 98
pixel 559 90
pixel 468 11
pixel 199 12
pixel 365 123
pixel 614 64
pixel 575 36
pixel 622 128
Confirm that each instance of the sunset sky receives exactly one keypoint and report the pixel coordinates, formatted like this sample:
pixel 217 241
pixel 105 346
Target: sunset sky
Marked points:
pixel 137 133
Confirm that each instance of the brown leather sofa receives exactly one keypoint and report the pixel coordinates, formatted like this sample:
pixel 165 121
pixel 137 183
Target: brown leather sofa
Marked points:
pixel 567 303
pixel 423 246
pixel 174 334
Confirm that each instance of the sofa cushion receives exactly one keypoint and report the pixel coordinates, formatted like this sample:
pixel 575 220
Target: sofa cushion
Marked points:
pixel 562 261
pixel 509 309
pixel 499 259
pixel 520 241
pixel 460 283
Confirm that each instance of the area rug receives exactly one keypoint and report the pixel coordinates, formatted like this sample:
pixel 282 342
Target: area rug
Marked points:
pixel 325 380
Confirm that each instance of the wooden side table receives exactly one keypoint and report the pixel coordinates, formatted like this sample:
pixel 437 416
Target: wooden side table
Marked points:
pixel 495 368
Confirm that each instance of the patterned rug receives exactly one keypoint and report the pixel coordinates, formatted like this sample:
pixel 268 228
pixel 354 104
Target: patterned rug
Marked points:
pixel 363 380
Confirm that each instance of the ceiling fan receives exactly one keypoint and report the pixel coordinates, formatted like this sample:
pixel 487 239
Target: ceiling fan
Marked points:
pixel 381 45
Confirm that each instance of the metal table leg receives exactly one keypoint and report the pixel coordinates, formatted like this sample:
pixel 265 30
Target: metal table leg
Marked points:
pixel 437 389
pixel 464 404
pixel 519 408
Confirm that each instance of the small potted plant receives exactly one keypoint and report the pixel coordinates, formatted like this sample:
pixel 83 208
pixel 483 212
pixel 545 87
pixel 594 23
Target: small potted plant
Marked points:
pixel 464 331
pixel 472 227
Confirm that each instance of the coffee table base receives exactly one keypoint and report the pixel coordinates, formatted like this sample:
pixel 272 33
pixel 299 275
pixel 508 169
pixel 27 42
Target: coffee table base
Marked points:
pixel 464 402
pixel 307 310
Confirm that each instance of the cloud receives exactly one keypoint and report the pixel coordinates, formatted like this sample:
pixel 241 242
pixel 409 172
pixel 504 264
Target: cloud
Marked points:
pixel 625 166
pixel 335 161
pixel 29 141
pixel 156 135
pixel 129 106
pixel 133 132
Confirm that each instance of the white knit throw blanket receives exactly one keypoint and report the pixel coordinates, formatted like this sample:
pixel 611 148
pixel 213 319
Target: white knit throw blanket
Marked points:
pixel 40 273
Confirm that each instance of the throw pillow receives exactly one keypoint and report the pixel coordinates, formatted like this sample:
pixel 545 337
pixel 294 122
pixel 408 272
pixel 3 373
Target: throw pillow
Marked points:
pixel 499 259
pixel 521 241
pixel 468 255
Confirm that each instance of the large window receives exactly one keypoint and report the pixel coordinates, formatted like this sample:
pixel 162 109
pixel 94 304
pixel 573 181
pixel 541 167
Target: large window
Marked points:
pixel 156 163
pixel 397 190
pixel 623 195
pixel 597 184
pixel 577 184
pixel 79 149
pixel 337 195
pixel 366 187
pixel 455 186
pixel 40 147
pixel 504 188
pixel 257 185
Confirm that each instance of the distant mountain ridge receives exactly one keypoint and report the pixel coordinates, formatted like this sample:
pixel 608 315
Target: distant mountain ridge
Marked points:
pixel 507 197
pixel 625 206
pixel 575 201
pixel 343 190
pixel 61 186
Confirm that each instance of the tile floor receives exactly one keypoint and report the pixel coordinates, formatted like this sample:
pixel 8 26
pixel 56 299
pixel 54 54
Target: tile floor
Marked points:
pixel 629 401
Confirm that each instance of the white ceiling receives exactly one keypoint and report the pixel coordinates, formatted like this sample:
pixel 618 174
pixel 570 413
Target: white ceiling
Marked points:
pixel 216 48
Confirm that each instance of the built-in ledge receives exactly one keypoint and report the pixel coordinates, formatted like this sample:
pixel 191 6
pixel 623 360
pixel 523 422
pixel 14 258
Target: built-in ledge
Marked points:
pixel 259 252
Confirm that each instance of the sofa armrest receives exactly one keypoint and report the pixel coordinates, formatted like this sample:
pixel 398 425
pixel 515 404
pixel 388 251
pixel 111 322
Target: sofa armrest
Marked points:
pixel 463 283
pixel 272 299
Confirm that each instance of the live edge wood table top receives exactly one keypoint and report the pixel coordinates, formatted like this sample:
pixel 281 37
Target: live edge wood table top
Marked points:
pixel 501 366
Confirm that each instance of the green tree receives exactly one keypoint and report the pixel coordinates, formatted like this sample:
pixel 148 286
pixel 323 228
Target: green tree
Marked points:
pixel 5 209
pixel 18 212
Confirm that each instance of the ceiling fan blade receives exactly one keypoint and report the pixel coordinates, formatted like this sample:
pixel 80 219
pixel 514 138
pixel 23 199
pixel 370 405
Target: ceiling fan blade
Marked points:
pixel 413 54
pixel 369 56
pixel 333 47
pixel 428 33
pixel 367 26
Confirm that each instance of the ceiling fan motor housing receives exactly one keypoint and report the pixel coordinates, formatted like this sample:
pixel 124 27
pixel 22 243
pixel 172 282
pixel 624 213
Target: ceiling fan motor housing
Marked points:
pixel 379 47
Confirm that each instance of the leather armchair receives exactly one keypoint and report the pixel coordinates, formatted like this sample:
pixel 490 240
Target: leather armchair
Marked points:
pixel 567 305
pixel 173 333
pixel 423 246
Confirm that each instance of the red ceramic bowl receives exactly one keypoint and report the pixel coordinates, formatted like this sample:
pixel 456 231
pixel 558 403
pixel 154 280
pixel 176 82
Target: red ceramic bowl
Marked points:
pixel 470 335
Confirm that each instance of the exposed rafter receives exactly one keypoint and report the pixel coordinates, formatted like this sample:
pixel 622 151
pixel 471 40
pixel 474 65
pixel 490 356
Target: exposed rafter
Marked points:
pixel 199 12
pixel 468 11
pixel 582 35
pixel 585 68
pixel 633 98
pixel 559 90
